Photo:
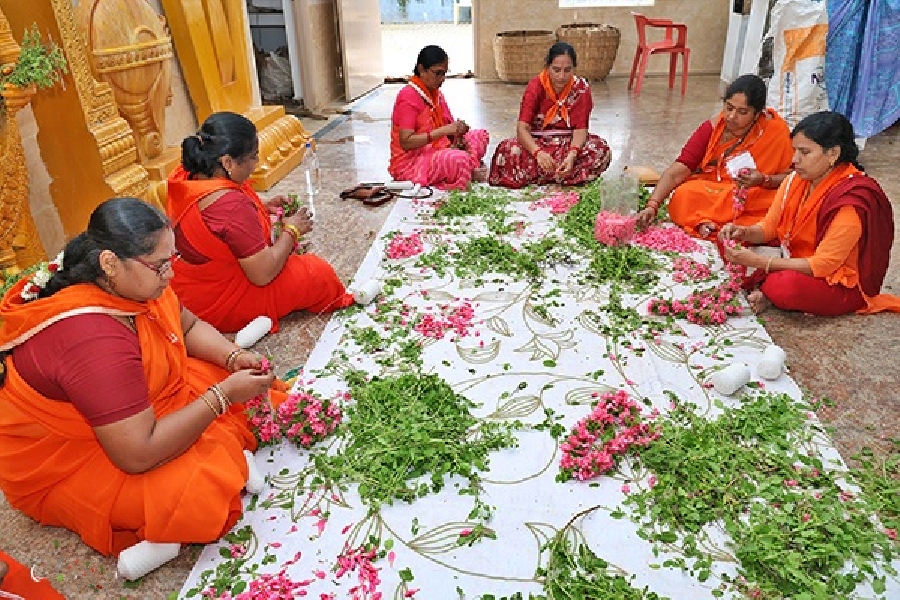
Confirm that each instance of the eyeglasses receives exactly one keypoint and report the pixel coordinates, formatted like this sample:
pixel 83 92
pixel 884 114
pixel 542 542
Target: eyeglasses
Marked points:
pixel 162 268
pixel 438 72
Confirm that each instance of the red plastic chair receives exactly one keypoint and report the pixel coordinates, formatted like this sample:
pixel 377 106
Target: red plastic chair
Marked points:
pixel 673 47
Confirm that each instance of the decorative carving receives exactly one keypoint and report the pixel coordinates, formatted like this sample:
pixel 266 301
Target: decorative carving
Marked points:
pixel 114 137
pixel 214 55
pixel 130 50
pixel 20 245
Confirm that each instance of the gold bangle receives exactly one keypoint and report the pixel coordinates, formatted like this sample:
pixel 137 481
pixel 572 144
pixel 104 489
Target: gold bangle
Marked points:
pixel 769 264
pixel 224 401
pixel 209 404
pixel 229 362
pixel 292 229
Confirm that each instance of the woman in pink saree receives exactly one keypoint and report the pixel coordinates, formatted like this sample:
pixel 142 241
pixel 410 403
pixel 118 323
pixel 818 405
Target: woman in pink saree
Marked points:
pixel 428 146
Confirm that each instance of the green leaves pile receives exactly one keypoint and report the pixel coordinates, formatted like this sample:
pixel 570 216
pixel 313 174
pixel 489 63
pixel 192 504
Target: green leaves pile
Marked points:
pixel 406 435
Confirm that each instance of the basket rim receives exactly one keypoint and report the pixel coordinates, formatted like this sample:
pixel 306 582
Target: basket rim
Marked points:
pixel 524 33
pixel 587 26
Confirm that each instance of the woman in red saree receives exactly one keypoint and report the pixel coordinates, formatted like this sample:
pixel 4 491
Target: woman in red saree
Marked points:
pixel 231 271
pixel 121 412
pixel 730 167
pixel 428 146
pixel 835 226
pixel 552 142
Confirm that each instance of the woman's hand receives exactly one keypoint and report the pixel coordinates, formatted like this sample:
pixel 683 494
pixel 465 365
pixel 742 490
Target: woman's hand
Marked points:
pixel 730 231
pixel 566 167
pixel 749 178
pixel 245 384
pixel 740 255
pixel 460 128
pixel 302 220
pixel 645 217
pixel 247 359
pixel 545 161
pixel 273 204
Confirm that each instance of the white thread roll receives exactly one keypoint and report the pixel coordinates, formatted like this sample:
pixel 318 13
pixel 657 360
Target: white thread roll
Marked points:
pixel 255 479
pixel 731 378
pixel 771 365
pixel 368 291
pixel 253 332
pixel 143 557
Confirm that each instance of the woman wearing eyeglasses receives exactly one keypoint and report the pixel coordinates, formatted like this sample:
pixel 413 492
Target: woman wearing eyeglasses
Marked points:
pixel 231 271
pixel 552 143
pixel 428 146
pixel 121 412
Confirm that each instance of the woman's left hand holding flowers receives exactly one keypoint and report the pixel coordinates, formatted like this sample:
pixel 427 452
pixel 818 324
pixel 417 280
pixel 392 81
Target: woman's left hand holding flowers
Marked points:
pixel 251 360
pixel 747 178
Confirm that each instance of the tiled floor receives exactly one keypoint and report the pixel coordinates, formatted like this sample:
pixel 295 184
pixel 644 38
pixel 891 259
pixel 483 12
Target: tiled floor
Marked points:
pixel 847 359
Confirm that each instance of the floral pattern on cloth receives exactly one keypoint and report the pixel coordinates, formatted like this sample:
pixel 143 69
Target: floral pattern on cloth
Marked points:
pixel 513 167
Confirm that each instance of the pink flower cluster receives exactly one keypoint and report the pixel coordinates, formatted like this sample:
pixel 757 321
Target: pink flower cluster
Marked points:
pixel 597 442
pixel 739 195
pixel 559 203
pixel 706 307
pixel 451 318
pixel 303 418
pixel 613 229
pixel 360 560
pixel 665 239
pixel 404 246
pixel 688 269
pixel 267 586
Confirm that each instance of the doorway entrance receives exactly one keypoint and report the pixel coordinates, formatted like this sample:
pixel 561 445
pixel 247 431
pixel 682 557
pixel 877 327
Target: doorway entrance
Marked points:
pixel 407 26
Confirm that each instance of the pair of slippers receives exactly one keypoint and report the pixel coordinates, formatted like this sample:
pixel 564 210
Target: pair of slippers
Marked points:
pixel 370 195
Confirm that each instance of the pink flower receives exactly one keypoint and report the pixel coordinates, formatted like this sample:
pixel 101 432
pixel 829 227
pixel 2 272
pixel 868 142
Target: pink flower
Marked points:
pixel 391 556
pixel 626 489
pixel 891 533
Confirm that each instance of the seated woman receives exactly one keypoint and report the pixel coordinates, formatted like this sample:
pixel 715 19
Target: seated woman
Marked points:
pixel 552 142
pixel 231 271
pixel 835 226
pixel 121 412
pixel 730 167
pixel 428 146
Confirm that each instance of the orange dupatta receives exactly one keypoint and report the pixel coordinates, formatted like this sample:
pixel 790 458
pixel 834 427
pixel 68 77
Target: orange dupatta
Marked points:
pixel 558 102
pixel 53 468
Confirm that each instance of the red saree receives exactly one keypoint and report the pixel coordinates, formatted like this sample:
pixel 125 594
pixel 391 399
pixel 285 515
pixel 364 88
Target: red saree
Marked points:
pixel 53 469
pixel 218 291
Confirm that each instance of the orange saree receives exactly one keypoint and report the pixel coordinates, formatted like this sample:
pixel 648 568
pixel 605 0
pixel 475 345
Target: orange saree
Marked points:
pixel 218 291
pixel 706 196
pixel 849 249
pixel 53 469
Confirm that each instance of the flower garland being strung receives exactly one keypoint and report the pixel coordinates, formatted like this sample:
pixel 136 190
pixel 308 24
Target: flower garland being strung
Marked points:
pixel 41 278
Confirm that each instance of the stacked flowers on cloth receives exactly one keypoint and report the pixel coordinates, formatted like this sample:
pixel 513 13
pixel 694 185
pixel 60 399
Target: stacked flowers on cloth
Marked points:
pixel 613 229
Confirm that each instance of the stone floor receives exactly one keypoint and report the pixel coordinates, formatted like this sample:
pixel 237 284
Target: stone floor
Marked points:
pixel 846 359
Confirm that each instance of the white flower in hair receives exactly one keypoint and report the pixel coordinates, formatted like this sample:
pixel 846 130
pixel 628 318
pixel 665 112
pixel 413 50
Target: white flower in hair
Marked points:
pixel 41 278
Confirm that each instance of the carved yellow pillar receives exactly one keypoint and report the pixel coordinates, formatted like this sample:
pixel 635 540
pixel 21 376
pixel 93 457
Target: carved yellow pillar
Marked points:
pixel 210 36
pixel 20 246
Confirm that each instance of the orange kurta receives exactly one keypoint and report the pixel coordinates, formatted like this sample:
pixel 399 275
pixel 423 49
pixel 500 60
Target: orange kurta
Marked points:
pixel 218 290
pixel 706 196
pixel 792 219
pixel 53 469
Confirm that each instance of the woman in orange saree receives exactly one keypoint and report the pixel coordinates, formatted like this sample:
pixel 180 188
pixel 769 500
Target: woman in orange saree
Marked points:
pixel 231 270
pixel 730 167
pixel 834 224
pixel 121 413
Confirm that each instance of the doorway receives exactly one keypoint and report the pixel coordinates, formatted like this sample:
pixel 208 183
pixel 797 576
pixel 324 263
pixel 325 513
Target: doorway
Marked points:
pixel 407 26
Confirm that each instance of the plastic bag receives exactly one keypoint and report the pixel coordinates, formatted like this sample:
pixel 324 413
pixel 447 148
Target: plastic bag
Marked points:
pixel 275 81
pixel 798 29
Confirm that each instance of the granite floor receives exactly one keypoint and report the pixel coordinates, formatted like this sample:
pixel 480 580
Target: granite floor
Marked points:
pixel 847 359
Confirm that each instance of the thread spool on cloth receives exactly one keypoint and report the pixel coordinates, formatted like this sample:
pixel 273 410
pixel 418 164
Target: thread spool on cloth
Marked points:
pixel 255 478
pixel 731 378
pixel 253 331
pixel 368 291
pixel 771 365
pixel 143 557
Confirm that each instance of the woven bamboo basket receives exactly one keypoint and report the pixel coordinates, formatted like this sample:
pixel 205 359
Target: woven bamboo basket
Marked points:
pixel 596 47
pixel 519 55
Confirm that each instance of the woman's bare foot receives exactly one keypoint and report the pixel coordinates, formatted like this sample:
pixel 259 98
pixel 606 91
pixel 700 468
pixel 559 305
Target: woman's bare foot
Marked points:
pixel 758 301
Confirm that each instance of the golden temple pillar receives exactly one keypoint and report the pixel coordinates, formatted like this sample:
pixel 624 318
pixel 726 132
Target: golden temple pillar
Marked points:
pixel 210 36
pixel 20 246
pixel 88 150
